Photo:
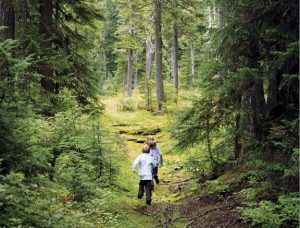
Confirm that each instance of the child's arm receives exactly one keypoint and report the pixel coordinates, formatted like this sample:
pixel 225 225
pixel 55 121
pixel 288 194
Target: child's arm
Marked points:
pixel 135 163
pixel 160 158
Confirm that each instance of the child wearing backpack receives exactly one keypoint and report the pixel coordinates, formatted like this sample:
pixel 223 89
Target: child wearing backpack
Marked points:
pixel 146 165
pixel 156 155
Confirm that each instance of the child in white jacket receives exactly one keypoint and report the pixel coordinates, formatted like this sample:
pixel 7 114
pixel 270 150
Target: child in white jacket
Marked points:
pixel 146 165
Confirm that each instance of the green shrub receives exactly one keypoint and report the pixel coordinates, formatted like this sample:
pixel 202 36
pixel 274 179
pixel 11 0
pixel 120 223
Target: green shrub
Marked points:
pixel 148 98
pixel 141 105
pixel 56 165
pixel 284 213
pixel 126 104
pixel 215 186
pixel 198 166
pixel 248 195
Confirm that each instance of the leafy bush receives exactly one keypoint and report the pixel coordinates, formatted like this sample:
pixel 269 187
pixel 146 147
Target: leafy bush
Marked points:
pixel 293 167
pixel 148 101
pixel 284 213
pixel 197 166
pixel 43 203
pixel 248 195
pixel 215 186
pixel 126 104
pixel 57 164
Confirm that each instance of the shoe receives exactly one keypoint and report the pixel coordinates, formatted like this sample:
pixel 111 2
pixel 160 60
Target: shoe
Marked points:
pixel 148 202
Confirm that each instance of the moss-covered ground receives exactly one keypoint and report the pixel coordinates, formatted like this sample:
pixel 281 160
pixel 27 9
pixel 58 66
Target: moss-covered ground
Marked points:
pixel 130 129
pixel 180 200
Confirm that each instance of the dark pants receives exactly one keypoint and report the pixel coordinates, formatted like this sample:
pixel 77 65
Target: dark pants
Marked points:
pixel 154 173
pixel 145 185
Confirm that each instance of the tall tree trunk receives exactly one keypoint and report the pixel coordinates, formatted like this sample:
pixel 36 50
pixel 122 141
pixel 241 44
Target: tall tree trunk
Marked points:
pixel 252 104
pixel 273 84
pixel 46 19
pixel 278 99
pixel 149 52
pixel 130 53
pixel 170 61
pixel 148 57
pixel 125 81
pixel 258 105
pixel 210 17
pixel 175 58
pixel 136 59
pixel 105 64
pixel 7 19
pixel 272 92
pixel 21 12
pixel 220 19
pixel 193 65
pixel 208 138
pixel 214 10
pixel 237 137
pixel 158 56
pixel 46 29
pixel 129 73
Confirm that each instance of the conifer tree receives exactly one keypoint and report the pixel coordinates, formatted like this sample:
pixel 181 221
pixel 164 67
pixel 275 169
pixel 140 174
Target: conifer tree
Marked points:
pixel 7 20
pixel 158 56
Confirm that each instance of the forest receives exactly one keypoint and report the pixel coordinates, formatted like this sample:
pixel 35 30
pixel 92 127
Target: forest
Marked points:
pixel 83 83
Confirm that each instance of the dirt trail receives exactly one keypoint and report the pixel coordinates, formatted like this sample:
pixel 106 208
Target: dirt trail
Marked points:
pixel 132 128
pixel 175 203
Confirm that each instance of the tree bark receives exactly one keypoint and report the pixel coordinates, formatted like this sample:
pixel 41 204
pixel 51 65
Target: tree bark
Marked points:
pixel 220 19
pixel 170 61
pixel 129 73
pixel 193 65
pixel 214 10
pixel 7 19
pixel 130 53
pixel 135 79
pixel 149 52
pixel 46 18
pixel 237 137
pixel 21 12
pixel 175 59
pixel 273 84
pixel 210 17
pixel 148 57
pixel 208 138
pixel 158 56
pixel 105 65
pixel 253 104
pixel 46 29
pixel 258 105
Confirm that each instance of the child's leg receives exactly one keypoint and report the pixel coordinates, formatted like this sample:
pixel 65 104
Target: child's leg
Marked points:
pixel 152 182
pixel 141 189
pixel 148 192
pixel 155 171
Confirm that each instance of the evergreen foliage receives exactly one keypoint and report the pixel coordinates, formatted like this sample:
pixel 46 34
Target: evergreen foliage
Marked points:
pixel 237 63
pixel 250 92
pixel 52 152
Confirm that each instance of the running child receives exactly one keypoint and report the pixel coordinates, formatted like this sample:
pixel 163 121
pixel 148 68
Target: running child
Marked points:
pixel 146 165
pixel 156 155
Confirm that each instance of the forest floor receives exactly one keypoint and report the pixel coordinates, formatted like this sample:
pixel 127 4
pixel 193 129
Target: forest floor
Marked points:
pixel 176 201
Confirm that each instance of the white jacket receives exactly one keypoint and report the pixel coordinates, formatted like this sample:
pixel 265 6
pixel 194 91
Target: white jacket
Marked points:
pixel 146 165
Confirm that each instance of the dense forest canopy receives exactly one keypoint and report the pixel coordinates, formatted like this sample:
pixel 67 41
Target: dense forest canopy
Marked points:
pixel 226 74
